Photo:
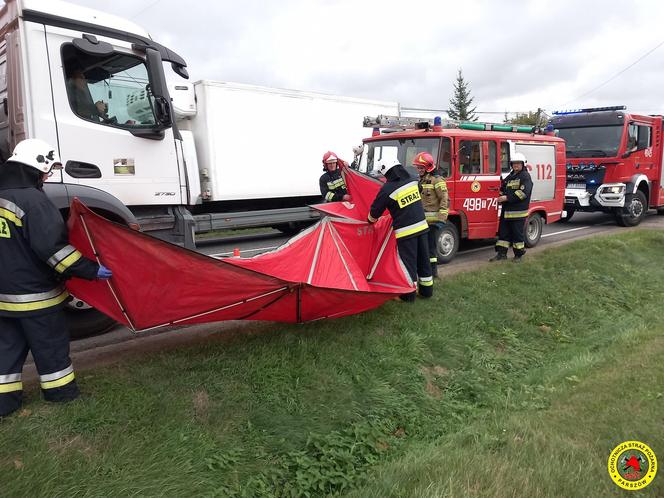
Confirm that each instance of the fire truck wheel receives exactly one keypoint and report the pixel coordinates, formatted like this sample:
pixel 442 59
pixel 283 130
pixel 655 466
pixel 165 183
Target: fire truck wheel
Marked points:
pixel 567 217
pixel 636 207
pixel 448 243
pixel 533 231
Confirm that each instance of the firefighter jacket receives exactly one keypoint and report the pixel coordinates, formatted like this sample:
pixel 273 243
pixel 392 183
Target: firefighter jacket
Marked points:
pixel 434 198
pixel 400 195
pixel 333 186
pixel 35 256
pixel 517 187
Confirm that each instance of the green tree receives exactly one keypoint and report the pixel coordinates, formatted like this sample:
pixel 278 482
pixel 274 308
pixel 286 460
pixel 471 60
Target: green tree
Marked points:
pixel 532 118
pixel 460 104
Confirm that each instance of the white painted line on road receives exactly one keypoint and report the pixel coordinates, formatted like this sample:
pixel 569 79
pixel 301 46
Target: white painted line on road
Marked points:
pixel 578 228
pixel 225 254
pixel 564 231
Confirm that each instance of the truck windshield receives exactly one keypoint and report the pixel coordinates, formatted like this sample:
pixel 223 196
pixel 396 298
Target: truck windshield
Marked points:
pixel 405 150
pixel 109 89
pixel 592 141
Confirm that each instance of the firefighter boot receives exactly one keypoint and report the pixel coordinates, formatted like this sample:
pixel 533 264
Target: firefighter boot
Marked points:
pixel 408 298
pixel 500 256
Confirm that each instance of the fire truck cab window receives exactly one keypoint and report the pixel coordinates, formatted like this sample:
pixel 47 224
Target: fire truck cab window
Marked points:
pixel 470 157
pixel 445 160
pixel 639 137
pixel 110 89
pixel 504 157
pixel 492 167
pixel 403 150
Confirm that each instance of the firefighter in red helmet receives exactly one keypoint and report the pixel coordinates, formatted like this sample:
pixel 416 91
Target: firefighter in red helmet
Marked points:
pixel 435 200
pixel 332 184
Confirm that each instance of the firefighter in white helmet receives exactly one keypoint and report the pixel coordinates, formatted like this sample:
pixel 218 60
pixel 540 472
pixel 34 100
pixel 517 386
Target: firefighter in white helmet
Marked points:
pixel 36 259
pixel 400 195
pixel 515 190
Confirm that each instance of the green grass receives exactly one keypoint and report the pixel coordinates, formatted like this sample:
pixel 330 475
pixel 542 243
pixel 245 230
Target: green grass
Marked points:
pixel 512 381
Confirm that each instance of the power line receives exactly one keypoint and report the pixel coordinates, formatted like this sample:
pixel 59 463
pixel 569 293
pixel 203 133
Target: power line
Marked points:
pixel 615 75
pixel 144 9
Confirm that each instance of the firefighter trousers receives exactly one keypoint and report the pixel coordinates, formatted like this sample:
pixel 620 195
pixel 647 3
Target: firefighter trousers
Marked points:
pixel 511 234
pixel 46 336
pixel 414 252
pixel 432 236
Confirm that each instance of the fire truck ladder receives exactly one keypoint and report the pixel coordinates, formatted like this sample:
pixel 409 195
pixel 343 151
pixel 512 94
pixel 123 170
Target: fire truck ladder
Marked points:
pixel 391 124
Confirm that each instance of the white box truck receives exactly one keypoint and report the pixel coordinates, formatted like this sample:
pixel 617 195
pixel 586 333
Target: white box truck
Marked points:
pixel 219 155
pixel 259 150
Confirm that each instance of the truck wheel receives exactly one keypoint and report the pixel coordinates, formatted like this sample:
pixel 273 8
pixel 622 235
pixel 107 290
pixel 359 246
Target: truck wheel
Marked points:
pixel 565 219
pixel 636 207
pixel 293 227
pixel 85 321
pixel 448 243
pixel 533 231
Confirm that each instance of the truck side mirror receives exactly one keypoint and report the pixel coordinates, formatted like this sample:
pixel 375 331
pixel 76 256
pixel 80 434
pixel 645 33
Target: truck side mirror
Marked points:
pixel 180 70
pixel 159 88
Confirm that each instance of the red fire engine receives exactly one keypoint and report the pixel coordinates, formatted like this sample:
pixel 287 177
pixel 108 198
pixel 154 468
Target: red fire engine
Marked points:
pixel 614 162
pixel 473 157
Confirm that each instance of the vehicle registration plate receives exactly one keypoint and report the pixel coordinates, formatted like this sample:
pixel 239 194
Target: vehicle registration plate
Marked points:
pixel 577 185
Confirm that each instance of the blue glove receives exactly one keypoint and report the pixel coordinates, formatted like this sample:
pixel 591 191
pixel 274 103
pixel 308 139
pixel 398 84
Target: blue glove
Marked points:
pixel 104 272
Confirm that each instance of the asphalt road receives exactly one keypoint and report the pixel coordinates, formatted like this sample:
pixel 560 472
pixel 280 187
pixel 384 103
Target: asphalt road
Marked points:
pixel 120 342
pixel 580 224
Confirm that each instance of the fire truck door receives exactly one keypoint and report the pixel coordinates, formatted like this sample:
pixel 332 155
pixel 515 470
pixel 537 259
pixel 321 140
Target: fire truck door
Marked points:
pixel 477 186
pixel 640 144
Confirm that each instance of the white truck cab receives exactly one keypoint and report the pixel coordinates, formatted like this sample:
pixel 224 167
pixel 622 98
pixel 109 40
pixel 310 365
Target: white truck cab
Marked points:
pixel 93 85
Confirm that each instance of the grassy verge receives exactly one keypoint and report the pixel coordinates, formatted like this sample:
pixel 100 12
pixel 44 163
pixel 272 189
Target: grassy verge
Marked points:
pixel 512 381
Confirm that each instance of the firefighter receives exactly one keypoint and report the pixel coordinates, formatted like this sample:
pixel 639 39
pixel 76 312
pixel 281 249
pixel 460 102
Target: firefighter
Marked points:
pixel 515 190
pixel 332 184
pixel 35 259
pixel 400 195
pixel 435 200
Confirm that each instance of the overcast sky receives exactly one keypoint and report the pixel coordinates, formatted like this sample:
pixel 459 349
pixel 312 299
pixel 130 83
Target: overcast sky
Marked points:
pixel 516 55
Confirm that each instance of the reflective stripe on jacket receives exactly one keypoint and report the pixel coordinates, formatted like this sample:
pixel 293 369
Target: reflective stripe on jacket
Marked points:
pixel 518 188
pixel 35 256
pixel 435 198
pixel 332 186
pixel 400 195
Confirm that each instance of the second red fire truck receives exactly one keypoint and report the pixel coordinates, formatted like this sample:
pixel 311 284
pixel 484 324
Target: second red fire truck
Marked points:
pixel 473 157
pixel 614 162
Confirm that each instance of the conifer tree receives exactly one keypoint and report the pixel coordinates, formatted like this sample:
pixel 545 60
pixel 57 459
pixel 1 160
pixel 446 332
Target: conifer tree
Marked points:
pixel 460 105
